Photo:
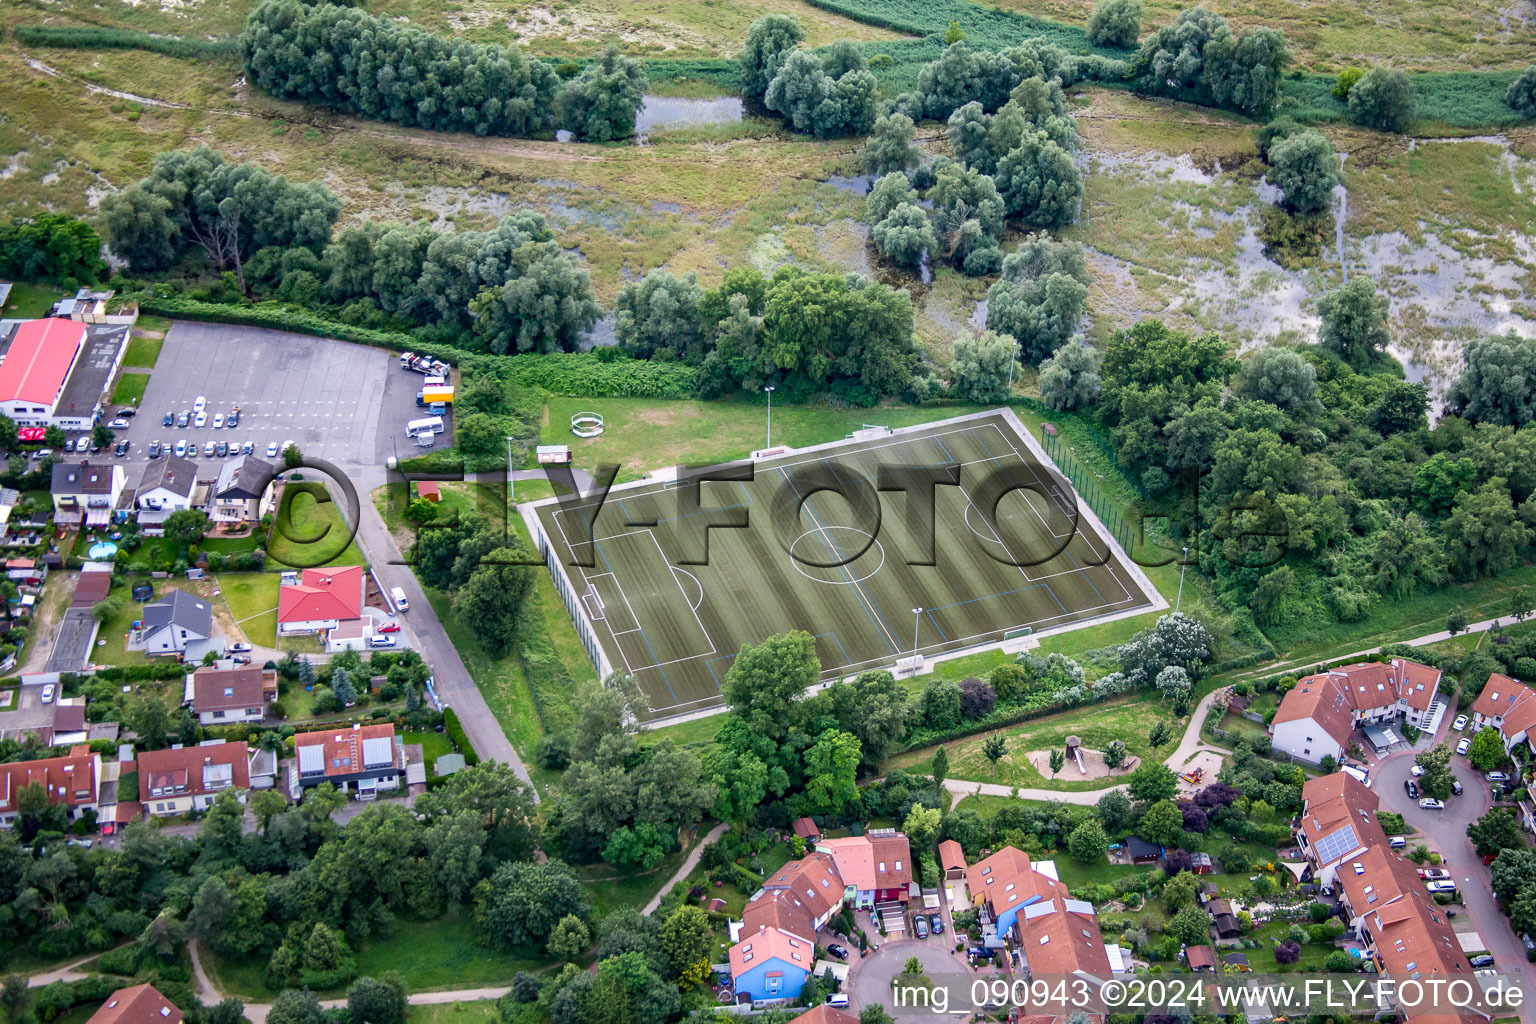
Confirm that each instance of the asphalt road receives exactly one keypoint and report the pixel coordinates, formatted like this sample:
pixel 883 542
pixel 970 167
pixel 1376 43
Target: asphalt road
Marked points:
pixel 1446 833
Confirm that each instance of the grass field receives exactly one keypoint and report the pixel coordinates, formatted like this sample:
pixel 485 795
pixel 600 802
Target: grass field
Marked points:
pixel 309 531
pixel 143 352
pixel 672 609
pixel 130 389
pixel 252 600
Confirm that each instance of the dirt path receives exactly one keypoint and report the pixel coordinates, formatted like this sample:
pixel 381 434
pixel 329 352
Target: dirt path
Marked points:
pixel 689 863
pixel 44 620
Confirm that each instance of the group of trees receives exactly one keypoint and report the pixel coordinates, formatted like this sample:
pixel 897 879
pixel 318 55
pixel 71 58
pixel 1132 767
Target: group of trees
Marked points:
pixel 800 331
pixel 346 59
pixel 964 75
pixel 51 247
pixel 828 94
pixel 487 571
pixel 1199 58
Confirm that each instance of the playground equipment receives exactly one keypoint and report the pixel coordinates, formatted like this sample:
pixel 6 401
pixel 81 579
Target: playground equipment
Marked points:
pixel 1075 751
pixel 1194 777
pixel 587 424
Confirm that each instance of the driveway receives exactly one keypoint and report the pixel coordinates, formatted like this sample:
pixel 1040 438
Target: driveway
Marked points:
pixel 30 712
pixel 1446 832
pixel 869 983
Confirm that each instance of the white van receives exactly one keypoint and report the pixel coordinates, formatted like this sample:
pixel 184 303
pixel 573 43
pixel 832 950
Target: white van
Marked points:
pixel 397 595
pixel 1358 774
pixel 838 1001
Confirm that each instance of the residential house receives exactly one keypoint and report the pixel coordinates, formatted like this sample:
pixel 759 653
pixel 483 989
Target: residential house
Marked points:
pixel 1002 885
pixel 1508 706
pixel 320 600
pixel 85 493
pixel 1055 934
pixel 952 859
pixel 168 486
pixel 138 1004
pixel 239 694
pixel 73 781
pixel 238 494
pixel 875 867
pixel 184 779
pixel 361 760
pixel 804 893
pixel 174 621
pixel 1338 817
pixel 771 964
pixel 824 1014
pixel 1315 719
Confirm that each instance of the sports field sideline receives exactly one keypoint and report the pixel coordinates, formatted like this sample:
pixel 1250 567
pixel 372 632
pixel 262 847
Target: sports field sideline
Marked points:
pixel 842 568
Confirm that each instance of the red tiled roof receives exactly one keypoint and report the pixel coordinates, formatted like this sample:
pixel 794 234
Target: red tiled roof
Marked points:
pixel 805 828
pixel 769 943
pixel 1500 695
pixel 951 855
pixel 345 745
pixel 1060 935
pixel 140 1004
pixel 777 909
pixel 227 689
pixel 69 780
pixel 813 880
pixel 90 588
pixel 428 489
pixel 824 1014
pixel 1006 879
pixel 1331 698
pixel 1201 956
pixel 322 594
pixel 871 862
pixel 39 359
pixel 193 771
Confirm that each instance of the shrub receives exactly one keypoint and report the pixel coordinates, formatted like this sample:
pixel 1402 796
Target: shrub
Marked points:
pixel 1382 99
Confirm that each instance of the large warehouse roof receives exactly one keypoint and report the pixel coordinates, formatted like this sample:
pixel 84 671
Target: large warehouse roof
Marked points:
pixel 39 359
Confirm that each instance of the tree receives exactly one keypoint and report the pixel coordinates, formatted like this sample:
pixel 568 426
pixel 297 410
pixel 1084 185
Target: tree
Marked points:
pixel 1115 23
pixel 1069 379
pixel 1279 376
pixel 1521 94
pixel 151 719
pixel 995 747
pixel 1512 871
pixel 769 40
pixel 1040 295
pixel 295 1007
pixel 292 457
pixel 1115 754
pixel 1088 841
pixel 1382 99
pixel 1160 733
pixel 831 772
pixel 889 147
pixel 570 939
pixel 1152 782
pixel 51 247
pixel 1498 383
pixel 982 367
pixel 904 236
pixel 1305 169
pixel 1114 810
pixel 1455 621
pixel 827 105
pixel 1173 683
pixel 1057 761
pixel 660 314
pixel 940 705
pixel 1162 823
pixel 186 526
pixel 686 939
pixel 874 1013
pixel 976 698
pixel 1487 750
pixel 600 104
pixel 1039 182
pixel 1522 602
pixel 766 681
pixel 545 307
pixel 520 904
pixel 1354 321
pixel 1191 926
pixel 341 683
pixel 1436 778
pixel 940 766
pixel 1495 831
pixel 377 1001
pixel 492 599
pixel 15 999
pixel 922 826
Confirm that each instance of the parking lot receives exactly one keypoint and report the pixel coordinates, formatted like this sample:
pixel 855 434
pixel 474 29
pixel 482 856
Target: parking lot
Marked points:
pixel 335 400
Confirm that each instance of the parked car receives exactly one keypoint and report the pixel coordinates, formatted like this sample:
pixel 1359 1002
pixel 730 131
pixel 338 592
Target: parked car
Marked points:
pixel 1441 885
pixel 382 641
pixel 1429 803
pixel 201 420
pixel 920 926
pixel 118 424
pixel 199 405
pixel 1416 770
pixel 1486 960
pixel 1411 788
pixel 271 449
pixel 388 627
pixel 247 448
pixel 1486 972
pixel 207 449
pixel 48 694
pixel 1460 723
pixel 234 419
pixel 240 648
pixel 222 449
pixel 241 659
pixel 1433 874
pixel 841 952
pixel 154 449
pixel 1497 776
pixel 181 449
pixel 1463 746
pixel 129 411
pixel 184 419
pixel 82 443
pixel 1456 787
pixel 218 421
pixel 936 922
pixel 286 446
pixel 120 449
pixel 170 418
pixel 41 454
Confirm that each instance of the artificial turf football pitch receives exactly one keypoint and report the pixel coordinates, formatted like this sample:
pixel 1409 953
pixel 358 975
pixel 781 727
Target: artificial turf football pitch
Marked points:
pixel 835 540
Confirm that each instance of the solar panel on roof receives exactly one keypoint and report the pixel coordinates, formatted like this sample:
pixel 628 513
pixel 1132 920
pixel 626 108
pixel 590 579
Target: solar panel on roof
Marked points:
pixel 1337 843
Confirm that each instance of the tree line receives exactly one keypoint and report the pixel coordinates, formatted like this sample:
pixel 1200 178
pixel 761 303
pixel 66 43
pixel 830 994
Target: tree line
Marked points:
pixel 343 58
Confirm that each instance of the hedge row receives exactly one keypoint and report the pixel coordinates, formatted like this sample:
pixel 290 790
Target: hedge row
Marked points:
pixel 584 373
pixel 272 316
pixel 76 38
pixel 455 732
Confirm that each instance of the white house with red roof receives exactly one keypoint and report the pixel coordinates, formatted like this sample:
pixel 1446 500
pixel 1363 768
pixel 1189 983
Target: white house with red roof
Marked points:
pixel 876 867
pixel 361 760
pixel 1507 705
pixel 36 367
pixel 184 779
pixel 320 600
pixel 1315 719
pixel 73 781
pixel 139 1004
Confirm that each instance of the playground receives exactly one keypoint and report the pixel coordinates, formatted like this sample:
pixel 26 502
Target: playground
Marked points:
pixel 1082 764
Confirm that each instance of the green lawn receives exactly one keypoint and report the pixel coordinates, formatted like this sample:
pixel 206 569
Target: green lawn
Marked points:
pixel 252 600
pixel 483 1012
pixel 309 531
pixel 143 352
pixel 609 888
pixel 1262 959
pixel 28 301
pixel 433 746
pixel 130 389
